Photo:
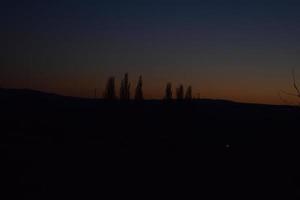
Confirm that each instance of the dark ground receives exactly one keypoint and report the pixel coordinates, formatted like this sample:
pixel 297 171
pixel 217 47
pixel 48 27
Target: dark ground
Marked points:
pixel 53 147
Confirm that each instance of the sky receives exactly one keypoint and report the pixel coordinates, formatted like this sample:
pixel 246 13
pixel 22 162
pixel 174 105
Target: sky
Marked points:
pixel 226 49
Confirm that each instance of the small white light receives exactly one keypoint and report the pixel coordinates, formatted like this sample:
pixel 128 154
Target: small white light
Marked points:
pixel 227 146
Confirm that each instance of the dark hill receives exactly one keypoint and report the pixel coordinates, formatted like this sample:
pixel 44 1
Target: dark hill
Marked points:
pixel 54 145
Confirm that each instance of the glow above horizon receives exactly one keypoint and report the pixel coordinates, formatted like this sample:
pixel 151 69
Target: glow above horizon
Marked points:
pixel 237 50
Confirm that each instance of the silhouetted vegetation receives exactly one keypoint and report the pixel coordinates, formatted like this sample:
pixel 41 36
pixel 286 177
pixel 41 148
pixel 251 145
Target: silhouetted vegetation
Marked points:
pixel 180 93
pixel 139 90
pixel 188 94
pixel 168 92
pixel 110 91
pixel 296 88
pixel 125 88
pixel 295 84
pixel 110 94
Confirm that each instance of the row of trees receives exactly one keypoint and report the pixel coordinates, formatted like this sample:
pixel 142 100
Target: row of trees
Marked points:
pixel 110 90
pixel 180 95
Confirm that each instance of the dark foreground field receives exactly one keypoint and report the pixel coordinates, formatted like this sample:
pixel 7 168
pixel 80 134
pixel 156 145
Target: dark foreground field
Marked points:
pixel 59 147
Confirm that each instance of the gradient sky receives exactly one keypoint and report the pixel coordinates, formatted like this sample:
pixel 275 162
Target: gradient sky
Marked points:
pixel 237 50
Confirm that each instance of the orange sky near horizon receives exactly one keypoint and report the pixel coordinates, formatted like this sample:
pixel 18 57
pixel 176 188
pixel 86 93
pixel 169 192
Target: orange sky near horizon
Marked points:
pixel 236 50
pixel 242 91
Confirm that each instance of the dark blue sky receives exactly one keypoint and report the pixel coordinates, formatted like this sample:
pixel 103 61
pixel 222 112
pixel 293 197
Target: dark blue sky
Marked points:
pixel 240 50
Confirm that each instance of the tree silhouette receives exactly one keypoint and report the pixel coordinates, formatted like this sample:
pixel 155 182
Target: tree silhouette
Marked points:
pixel 297 94
pixel 125 88
pixel 139 90
pixel 110 92
pixel 295 84
pixel 168 92
pixel 180 93
pixel 188 94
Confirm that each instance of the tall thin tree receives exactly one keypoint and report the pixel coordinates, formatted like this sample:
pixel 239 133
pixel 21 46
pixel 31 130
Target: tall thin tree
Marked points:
pixel 125 88
pixel 110 92
pixel 168 92
pixel 139 96
pixel 189 94
pixel 180 92
pixel 296 88
pixel 295 84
